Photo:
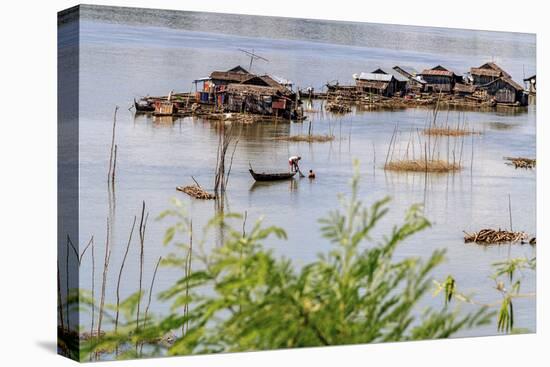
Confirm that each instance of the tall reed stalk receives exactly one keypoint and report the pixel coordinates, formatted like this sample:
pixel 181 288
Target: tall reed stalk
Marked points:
pixel 106 261
pixel 120 274
pixel 142 228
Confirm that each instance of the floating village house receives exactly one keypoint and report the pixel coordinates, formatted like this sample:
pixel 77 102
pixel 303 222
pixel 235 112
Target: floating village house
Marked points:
pixel 440 79
pixel 400 82
pixel 414 82
pixel 378 82
pixel 505 90
pixel 238 90
pixel 498 84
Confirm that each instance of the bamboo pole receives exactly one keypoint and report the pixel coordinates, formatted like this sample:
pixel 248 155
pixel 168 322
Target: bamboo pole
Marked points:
pixel 104 279
pixel 109 178
pixel 149 300
pixel 142 227
pixel 120 274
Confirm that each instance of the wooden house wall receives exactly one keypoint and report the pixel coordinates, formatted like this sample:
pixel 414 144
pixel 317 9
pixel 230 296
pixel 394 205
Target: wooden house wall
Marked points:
pixel 482 79
pixel 503 92
pixel 438 83
pixel 365 86
pixel 505 95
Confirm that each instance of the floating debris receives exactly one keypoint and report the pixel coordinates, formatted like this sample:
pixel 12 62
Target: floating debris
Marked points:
pixel 307 138
pixel 422 165
pixel 196 191
pixel 521 162
pixel 492 236
pixel 338 105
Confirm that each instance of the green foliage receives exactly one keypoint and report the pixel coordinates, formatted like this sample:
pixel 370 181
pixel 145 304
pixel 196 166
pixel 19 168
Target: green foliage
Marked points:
pixel 242 297
pixel 509 269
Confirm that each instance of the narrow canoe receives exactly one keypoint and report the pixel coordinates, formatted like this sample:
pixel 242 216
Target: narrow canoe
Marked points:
pixel 271 176
pixel 143 106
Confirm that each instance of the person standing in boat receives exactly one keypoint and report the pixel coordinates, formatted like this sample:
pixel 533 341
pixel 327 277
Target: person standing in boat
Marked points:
pixel 293 163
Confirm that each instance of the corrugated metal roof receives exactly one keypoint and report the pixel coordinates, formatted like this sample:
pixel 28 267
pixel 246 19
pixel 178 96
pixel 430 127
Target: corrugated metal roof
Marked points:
pixel 373 76
pixel 397 75
pixel 251 89
pixel 409 70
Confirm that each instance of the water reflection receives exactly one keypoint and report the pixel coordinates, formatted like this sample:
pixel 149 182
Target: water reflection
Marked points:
pixel 291 185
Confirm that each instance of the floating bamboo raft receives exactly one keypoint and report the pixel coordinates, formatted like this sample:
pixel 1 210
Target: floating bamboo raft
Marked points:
pixel 520 162
pixel 495 237
pixel 196 191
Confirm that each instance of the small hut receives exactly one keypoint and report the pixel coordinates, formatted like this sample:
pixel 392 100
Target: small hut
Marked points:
pixel 256 99
pixel 399 81
pixel 375 83
pixel 505 90
pixel 440 79
pixel 414 82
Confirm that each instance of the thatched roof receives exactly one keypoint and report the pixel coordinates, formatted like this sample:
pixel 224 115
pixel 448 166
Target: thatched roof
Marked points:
pixel 438 71
pixel 513 83
pixel 230 76
pixel 508 81
pixel 239 69
pixel 493 66
pixel 485 72
pixel 251 89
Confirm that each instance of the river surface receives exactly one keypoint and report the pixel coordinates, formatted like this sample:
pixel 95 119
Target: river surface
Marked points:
pixel 127 53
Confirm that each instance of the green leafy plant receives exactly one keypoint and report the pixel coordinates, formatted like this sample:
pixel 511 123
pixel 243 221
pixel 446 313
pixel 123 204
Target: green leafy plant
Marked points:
pixel 241 296
pixel 507 287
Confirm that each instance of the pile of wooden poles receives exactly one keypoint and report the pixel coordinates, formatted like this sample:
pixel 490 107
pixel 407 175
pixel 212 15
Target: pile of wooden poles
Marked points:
pixel 338 105
pixel 196 191
pixel 491 236
pixel 521 162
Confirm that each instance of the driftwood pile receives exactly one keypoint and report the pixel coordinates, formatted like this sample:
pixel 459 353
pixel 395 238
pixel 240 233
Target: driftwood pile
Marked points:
pixel 492 236
pixel 521 162
pixel 196 191
pixel 338 105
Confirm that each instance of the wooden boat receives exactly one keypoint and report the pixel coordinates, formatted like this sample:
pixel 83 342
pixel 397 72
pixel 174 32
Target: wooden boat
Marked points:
pixel 143 106
pixel 271 176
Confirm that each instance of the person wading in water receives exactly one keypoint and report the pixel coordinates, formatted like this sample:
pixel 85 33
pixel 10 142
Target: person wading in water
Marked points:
pixel 293 163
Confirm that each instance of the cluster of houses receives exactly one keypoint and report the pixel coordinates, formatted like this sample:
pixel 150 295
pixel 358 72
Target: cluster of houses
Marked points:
pixel 238 90
pixel 486 82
